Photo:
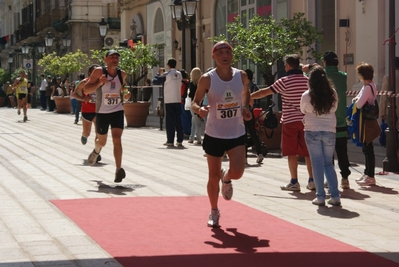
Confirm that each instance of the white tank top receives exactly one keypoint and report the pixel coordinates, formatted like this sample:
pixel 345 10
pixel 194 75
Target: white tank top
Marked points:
pixel 225 119
pixel 108 96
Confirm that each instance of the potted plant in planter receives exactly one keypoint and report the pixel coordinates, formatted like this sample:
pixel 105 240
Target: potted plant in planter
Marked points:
pixel 63 66
pixel 135 61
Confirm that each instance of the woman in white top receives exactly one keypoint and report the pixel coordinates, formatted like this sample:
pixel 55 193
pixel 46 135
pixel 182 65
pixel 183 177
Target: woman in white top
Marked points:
pixel 319 104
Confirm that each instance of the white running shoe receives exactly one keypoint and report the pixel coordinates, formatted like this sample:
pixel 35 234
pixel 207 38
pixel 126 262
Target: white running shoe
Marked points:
pixel 227 187
pixel 259 158
pixel 213 220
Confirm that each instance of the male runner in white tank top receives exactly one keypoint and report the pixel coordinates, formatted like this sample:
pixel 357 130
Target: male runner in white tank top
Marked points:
pixel 228 97
pixel 109 109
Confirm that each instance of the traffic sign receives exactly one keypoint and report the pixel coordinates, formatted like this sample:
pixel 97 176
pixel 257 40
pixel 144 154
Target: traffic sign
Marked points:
pixel 28 63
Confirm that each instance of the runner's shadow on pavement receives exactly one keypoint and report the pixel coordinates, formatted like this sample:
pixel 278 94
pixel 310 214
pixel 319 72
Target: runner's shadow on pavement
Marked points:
pixel 114 189
pixel 239 241
pixel 380 189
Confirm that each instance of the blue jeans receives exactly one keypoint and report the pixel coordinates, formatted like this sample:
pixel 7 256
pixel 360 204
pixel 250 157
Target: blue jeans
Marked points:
pixel 321 146
pixel 186 120
pixel 196 124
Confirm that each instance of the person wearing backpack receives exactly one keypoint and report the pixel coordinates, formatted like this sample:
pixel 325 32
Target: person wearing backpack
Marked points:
pixel 108 83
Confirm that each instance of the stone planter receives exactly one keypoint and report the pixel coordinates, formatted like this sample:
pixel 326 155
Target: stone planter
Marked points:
pixel 63 104
pixel 136 113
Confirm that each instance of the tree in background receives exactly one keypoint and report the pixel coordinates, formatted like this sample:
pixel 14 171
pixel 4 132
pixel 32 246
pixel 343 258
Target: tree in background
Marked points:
pixel 265 41
pixel 65 65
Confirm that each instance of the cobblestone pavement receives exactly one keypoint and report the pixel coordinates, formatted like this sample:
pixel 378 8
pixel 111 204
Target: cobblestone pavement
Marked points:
pixel 43 159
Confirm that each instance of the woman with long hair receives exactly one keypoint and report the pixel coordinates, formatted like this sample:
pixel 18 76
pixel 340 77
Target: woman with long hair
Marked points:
pixel 319 104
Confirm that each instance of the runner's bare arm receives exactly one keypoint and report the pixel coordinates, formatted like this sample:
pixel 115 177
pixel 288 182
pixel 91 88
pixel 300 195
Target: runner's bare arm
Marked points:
pixel 96 79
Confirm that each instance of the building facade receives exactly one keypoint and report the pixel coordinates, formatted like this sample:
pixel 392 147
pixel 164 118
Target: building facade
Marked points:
pixel 355 30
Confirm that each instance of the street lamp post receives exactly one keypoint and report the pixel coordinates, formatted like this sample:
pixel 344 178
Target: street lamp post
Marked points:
pixel 182 12
pixel 49 40
pixel 26 50
pixel 103 28
pixel 390 163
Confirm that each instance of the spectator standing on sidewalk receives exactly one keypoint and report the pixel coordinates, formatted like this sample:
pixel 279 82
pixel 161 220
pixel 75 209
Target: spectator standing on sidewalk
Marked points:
pixel 228 107
pixel 42 90
pixel 108 84
pixel 319 104
pixel 339 80
pixel 291 88
pixel 370 129
pixel 171 81
pixel 9 94
pixel 250 125
pixel 185 114
pixel 196 121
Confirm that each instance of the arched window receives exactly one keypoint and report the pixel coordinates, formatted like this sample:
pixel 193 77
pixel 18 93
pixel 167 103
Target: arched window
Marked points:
pixel 158 25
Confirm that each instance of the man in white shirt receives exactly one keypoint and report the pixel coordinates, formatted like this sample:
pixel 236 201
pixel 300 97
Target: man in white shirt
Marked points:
pixel 171 80
pixel 43 85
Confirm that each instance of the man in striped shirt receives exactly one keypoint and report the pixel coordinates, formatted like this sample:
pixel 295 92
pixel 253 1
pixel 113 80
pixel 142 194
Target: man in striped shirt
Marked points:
pixel 291 88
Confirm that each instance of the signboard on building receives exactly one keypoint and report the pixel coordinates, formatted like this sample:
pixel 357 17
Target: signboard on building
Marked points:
pixel 28 63
pixel 349 59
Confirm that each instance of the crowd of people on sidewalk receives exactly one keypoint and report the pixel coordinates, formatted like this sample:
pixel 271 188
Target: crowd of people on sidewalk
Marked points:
pixel 315 119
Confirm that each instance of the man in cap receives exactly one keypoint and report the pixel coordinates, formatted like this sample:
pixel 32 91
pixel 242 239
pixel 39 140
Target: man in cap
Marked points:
pixel 108 83
pixel 338 78
pixel 228 107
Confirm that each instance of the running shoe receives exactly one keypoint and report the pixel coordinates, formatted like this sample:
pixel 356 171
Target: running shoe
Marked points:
pixel 259 158
pixel 92 159
pixel 25 118
pixel 119 175
pixel 345 184
pixel 318 202
pixel 311 186
pixel 19 112
pixel 83 140
pixel 366 182
pixel 334 202
pixel 179 144
pixel 168 144
pixel 227 187
pixel 213 220
pixel 291 187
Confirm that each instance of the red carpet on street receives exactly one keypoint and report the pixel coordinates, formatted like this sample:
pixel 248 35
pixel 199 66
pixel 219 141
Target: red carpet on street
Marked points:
pixel 172 231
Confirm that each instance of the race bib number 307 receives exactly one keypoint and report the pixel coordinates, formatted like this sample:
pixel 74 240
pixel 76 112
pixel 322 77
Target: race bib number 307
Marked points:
pixel 111 99
pixel 227 110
